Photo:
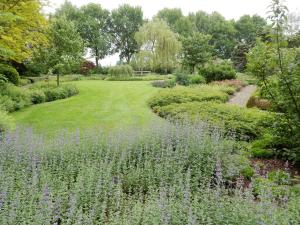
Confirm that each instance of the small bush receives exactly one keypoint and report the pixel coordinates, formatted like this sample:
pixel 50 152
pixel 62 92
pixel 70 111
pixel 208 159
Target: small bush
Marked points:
pixel 6 122
pixel 197 79
pixel 71 89
pixel 164 83
pixel 86 67
pixel 37 96
pixel 20 96
pixel 7 104
pixel 10 73
pixel 121 71
pixel 218 71
pixel 255 101
pixel 182 78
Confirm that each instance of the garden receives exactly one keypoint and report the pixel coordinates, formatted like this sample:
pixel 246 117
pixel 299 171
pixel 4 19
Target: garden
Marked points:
pixel 197 123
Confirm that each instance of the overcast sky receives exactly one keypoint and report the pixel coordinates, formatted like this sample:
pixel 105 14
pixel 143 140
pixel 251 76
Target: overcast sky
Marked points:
pixel 231 9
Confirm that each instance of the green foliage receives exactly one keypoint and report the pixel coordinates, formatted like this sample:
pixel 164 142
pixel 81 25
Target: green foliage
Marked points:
pixel 125 22
pixel 249 28
pixel 245 123
pixel 160 44
pixel 7 104
pixel 221 30
pixel 37 96
pixel 22 25
pixel 64 51
pixel 277 69
pixel 171 16
pixel 182 78
pixel 121 71
pixel 197 79
pixel 196 50
pixel 218 71
pixel 14 98
pixel 93 26
pixel 164 83
pixel 10 73
pixel 56 93
pixel 6 122
pixel 239 56
pixel 182 95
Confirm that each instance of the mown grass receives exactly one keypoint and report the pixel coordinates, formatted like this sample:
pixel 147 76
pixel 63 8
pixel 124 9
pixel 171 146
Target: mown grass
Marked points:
pixel 99 104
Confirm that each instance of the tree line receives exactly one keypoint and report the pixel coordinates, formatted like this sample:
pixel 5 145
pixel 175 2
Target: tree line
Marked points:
pixel 36 44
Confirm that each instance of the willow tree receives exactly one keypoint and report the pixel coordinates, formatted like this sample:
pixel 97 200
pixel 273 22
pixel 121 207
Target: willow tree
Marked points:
pixel 161 44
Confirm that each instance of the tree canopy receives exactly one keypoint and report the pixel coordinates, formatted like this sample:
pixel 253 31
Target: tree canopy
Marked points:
pixel 157 38
pixel 22 28
pixel 125 22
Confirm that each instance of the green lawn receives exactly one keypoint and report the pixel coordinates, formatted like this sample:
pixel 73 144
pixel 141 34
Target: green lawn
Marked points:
pixel 107 104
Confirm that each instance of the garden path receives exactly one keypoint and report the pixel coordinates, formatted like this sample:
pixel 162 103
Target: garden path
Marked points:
pixel 241 98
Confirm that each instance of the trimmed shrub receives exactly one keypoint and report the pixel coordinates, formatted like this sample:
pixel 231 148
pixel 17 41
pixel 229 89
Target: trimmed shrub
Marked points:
pixel 53 94
pixel 37 96
pixel 121 71
pixel 61 92
pixel 182 78
pixel 245 123
pixel 194 94
pixel 10 73
pixel 71 89
pixel 197 79
pixel 164 83
pixel 218 71
pixel 6 122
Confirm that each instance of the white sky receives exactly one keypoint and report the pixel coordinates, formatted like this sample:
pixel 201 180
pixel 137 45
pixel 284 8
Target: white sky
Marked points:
pixel 230 9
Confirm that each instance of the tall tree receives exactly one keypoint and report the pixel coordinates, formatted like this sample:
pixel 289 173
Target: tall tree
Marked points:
pixel 64 50
pixel 221 30
pixel 125 22
pixel 171 16
pixel 156 38
pixel 249 28
pixel 22 28
pixel 93 26
pixel 196 50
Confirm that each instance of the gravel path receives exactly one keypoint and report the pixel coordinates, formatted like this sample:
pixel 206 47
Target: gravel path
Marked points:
pixel 241 98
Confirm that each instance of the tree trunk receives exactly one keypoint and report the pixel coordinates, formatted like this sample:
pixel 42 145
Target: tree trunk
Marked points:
pixel 57 80
pixel 97 61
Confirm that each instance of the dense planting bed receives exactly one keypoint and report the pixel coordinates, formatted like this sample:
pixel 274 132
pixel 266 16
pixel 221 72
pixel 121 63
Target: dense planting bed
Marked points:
pixel 168 174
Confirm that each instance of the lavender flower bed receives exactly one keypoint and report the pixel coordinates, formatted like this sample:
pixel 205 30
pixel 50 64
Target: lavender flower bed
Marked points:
pixel 169 174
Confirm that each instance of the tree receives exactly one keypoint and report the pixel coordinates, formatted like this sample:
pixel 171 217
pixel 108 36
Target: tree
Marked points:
pixel 65 48
pixel 94 29
pixel 222 31
pixel 156 38
pixel 278 70
pixel 249 28
pixel 170 16
pixel 239 56
pixel 125 22
pixel 196 50
pixel 22 29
